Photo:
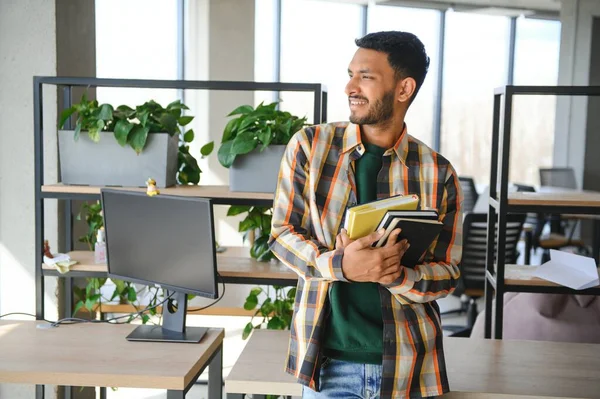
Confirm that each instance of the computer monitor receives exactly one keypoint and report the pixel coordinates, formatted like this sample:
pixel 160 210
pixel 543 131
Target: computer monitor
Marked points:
pixel 164 240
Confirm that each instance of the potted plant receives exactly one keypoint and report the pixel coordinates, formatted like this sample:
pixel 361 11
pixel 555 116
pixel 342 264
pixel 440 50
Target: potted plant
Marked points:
pixel 156 135
pixel 253 144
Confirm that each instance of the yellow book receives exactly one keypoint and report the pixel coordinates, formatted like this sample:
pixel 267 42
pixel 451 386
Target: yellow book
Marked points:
pixel 362 220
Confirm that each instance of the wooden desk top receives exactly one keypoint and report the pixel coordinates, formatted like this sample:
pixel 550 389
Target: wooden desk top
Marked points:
pixel 234 262
pixel 98 355
pixel 477 368
pixel 523 275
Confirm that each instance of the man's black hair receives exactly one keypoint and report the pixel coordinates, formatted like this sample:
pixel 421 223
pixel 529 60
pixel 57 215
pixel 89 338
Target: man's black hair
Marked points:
pixel 406 54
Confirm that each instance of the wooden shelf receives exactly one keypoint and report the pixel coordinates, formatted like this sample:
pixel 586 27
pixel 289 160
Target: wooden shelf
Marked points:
pixel 523 275
pixel 555 197
pixel 217 192
pixel 235 262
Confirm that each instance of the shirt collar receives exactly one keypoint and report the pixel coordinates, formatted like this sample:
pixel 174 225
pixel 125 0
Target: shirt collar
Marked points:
pixel 352 140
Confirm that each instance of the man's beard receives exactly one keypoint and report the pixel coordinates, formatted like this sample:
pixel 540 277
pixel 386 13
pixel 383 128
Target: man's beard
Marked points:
pixel 380 113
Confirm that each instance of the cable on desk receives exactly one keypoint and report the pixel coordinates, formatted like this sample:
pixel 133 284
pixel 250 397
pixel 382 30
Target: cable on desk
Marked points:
pixel 215 302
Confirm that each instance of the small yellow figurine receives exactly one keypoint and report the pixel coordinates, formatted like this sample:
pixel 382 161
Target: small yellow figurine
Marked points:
pixel 151 190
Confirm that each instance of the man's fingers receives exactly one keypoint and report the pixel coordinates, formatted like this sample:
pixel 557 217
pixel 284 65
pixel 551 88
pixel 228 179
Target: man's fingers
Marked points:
pixel 338 242
pixel 393 237
pixel 366 241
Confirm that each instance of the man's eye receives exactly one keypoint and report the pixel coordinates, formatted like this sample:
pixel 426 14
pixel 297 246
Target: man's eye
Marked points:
pixel 367 77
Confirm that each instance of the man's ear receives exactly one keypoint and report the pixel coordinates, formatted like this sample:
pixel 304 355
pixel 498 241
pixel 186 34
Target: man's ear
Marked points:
pixel 405 89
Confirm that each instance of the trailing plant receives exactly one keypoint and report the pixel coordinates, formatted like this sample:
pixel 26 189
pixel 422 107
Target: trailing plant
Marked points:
pixel 256 127
pixel 132 127
pixel 258 221
pixel 276 311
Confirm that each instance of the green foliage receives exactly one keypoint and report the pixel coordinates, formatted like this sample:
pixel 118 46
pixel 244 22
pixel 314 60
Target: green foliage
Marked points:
pixel 252 128
pixel 257 220
pixel 132 127
pixel 276 311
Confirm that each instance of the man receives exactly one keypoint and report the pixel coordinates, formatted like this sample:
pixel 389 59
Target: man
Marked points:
pixel 363 324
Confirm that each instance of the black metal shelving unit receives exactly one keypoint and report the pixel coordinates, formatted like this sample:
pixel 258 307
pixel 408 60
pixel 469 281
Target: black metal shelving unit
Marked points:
pixel 501 203
pixel 65 86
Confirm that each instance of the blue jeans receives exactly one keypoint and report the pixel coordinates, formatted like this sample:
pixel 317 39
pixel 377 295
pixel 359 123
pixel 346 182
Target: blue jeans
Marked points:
pixel 346 380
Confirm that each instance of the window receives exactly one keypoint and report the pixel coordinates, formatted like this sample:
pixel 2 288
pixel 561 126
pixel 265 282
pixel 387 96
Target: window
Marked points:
pixel 476 60
pixel 536 63
pixel 136 39
pixel 265 47
pixel 317 44
pixel 425 24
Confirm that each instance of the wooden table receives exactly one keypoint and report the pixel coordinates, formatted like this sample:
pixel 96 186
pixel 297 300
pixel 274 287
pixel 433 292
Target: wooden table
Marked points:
pixel 99 355
pixel 477 369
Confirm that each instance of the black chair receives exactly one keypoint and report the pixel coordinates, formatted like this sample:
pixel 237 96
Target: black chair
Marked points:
pixel 534 227
pixel 472 266
pixel 558 177
pixel 470 194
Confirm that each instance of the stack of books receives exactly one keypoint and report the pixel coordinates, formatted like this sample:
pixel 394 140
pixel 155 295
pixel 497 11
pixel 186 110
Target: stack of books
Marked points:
pixel 419 227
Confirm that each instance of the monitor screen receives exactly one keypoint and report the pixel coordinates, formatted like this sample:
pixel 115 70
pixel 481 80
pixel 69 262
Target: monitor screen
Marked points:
pixel 165 240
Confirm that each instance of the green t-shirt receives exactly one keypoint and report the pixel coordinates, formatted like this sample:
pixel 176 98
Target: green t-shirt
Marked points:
pixel 354 329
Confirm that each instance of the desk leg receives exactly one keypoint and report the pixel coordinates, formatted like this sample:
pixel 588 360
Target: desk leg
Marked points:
pixel 596 243
pixel 215 375
pixel 39 392
pixel 528 246
pixel 102 392
pixel 172 394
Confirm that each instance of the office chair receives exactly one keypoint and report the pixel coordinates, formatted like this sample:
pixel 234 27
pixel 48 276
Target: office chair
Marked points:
pixel 534 238
pixel 472 266
pixel 470 194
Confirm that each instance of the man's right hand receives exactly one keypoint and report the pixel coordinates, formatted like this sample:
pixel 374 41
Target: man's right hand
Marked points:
pixel 363 263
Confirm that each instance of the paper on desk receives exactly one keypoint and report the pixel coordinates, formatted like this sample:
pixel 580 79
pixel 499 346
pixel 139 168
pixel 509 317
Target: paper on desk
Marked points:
pixel 573 271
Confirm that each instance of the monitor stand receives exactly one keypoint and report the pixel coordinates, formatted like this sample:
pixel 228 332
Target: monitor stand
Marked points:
pixel 173 327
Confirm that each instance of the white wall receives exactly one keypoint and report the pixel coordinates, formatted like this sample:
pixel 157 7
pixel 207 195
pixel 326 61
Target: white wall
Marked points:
pixel 27 48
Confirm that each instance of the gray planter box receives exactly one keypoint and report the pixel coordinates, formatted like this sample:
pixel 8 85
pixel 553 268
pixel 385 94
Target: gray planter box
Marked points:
pixel 256 172
pixel 106 163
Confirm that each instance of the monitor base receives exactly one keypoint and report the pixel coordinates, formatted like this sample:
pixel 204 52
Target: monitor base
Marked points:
pixel 159 334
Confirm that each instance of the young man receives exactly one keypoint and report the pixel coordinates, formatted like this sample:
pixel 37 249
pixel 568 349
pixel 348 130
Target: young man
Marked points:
pixel 363 324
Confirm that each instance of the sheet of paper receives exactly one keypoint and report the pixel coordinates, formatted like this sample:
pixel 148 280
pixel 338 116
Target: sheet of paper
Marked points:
pixel 573 271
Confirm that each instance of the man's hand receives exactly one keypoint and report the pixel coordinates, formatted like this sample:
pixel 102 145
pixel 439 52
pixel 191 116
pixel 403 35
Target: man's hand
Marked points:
pixel 342 240
pixel 363 263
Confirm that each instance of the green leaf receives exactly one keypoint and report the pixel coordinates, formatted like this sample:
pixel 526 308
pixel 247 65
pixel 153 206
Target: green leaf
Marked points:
pixel 184 120
pixel 275 324
pixel 77 131
pixel 243 143
pixel 143 117
pixel 225 156
pixel 256 291
pixel 66 114
pixel 188 137
pixel 169 122
pixel 292 293
pixel 177 104
pixel 230 129
pixel 207 149
pixel 251 302
pixel 131 294
pixel 78 306
pixel 241 110
pixel 246 122
pixel 145 318
pixel 246 224
pixel 126 111
pixel 94 134
pixel 90 302
pixel 265 136
pixel 237 209
pixel 247 330
pixel 106 112
pixel 122 129
pixel 137 138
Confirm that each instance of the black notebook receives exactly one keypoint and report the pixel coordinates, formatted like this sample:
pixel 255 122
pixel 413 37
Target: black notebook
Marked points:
pixel 420 228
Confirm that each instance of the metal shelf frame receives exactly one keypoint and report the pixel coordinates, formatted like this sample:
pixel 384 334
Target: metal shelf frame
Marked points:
pixel 499 206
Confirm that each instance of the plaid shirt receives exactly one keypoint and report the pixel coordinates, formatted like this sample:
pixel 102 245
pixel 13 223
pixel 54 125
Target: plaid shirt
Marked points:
pixel 316 184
